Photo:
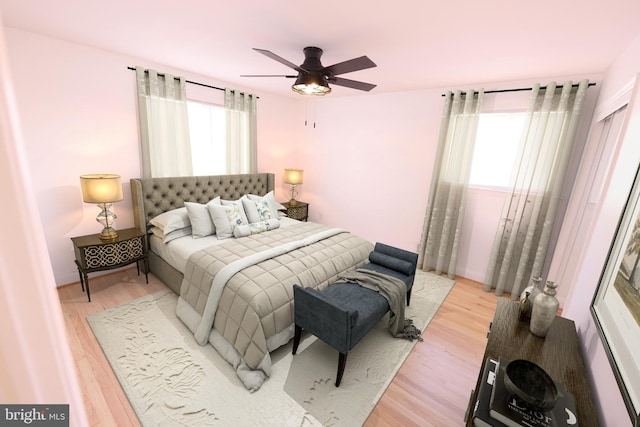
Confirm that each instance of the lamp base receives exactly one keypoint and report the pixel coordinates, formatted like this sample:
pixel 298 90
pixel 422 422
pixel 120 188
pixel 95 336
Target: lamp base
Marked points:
pixel 106 218
pixel 108 234
pixel 294 193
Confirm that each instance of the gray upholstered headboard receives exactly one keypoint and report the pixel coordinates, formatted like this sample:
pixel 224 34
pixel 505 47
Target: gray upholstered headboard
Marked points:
pixel 153 196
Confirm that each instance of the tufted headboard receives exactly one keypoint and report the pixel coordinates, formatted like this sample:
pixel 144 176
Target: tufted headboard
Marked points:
pixel 153 196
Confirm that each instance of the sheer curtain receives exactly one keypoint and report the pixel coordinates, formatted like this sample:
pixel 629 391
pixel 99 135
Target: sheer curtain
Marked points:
pixel 164 124
pixel 447 196
pixel 524 236
pixel 242 140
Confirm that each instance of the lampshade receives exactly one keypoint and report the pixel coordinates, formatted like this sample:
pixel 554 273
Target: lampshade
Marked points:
pixel 311 84
pixel 101 188
pixel 293 176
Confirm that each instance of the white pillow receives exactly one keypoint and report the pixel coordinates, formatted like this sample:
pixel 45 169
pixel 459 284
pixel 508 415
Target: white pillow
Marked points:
pixel 172 220
pixel 201 222
pixel 226 218
pixel 239 204
pixel 270 198
pixel 166 238
pixel 257 211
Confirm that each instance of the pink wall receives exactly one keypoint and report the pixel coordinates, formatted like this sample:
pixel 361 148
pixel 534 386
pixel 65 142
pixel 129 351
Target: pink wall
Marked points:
pixel 368 163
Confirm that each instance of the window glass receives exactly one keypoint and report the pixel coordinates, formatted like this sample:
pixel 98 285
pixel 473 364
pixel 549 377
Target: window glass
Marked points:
pixel 207 132
pixel 496 148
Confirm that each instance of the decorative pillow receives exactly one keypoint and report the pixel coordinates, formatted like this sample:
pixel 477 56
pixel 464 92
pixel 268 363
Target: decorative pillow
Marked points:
pixel 226 218
pixel 270 198
pixel 240 207
pixel 264 210
pixel 255 228
pixel 166 238
pixel 256 211
pixel 172 220
pixel 396 264
pixel 201 222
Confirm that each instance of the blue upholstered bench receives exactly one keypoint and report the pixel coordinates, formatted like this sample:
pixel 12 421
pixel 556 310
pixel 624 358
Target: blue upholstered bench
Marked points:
pixel 344 313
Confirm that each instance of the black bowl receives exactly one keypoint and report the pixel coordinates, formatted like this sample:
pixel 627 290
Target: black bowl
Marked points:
pixel 531 383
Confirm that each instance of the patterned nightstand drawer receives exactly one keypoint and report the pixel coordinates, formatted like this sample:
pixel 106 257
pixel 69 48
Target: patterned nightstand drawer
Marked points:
pixel 117 253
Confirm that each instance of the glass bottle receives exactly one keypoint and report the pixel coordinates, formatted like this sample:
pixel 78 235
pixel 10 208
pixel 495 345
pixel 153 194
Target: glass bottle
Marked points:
pixel 545 307
pixel 527 297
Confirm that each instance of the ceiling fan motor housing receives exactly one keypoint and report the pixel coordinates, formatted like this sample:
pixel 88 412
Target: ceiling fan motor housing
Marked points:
pixel 312 59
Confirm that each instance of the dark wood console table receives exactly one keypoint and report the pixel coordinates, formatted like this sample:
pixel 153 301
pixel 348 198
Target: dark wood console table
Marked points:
pixel 559 354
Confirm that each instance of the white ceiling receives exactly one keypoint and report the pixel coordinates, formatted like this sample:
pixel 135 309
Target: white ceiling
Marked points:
pixel 417 44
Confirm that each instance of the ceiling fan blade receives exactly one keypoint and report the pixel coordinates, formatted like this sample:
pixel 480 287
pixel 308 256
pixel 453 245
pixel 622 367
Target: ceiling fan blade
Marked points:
pixel 351 83
pixel 349 66
pixel 279 59
pixel 289 76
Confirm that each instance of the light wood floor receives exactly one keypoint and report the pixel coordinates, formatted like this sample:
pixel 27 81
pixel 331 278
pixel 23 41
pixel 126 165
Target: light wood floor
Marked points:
pixel 431 389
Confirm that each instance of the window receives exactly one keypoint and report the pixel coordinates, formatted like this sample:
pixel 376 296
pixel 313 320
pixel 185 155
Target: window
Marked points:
pixel 495 151
pixel 196 135
pixel 207 134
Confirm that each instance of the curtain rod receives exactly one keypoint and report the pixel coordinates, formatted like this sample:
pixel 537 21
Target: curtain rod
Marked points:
pixel 192 82
pixel 521 89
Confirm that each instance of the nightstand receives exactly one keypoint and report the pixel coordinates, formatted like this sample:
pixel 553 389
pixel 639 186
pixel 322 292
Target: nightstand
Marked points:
pixel 299 210
pixel 94 254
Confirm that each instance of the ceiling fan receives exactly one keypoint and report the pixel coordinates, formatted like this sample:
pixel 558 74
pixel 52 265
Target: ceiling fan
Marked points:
pixel 313 78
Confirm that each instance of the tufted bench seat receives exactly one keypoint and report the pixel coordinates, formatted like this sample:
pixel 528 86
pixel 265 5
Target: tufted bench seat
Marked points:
pixel 344 313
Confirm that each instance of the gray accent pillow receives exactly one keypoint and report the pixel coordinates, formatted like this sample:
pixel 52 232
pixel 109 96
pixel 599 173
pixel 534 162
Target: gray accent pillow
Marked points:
pixel 396 264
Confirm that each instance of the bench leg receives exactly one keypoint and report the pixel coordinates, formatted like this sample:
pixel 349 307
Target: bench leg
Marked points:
pixel 342 361
pixel 409 297
pixel 296 338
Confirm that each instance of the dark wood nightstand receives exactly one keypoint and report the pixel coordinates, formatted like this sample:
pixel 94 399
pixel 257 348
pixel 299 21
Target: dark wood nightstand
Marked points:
pixel 94 254
pixel 299 210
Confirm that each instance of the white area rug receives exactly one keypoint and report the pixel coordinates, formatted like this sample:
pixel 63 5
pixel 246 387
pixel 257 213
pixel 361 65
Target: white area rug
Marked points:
pixel 171 380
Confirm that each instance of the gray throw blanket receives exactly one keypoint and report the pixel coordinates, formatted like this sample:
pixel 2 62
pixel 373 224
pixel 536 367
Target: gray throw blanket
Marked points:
pixel 394 291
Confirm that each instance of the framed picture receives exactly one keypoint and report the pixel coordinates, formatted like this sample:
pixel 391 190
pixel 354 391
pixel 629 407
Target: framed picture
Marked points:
pixel 616 303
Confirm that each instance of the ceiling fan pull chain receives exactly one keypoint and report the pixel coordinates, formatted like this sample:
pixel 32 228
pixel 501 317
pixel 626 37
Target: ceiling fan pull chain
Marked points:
pixel 306 111
pixel 315 110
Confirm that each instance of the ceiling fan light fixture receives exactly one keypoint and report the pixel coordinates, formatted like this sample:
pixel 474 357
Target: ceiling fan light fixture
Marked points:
pixel 308 84
pixel 313 78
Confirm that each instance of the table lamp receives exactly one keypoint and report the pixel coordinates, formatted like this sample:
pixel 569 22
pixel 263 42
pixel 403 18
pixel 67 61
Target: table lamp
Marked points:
pixel 102 189
pixel 293 177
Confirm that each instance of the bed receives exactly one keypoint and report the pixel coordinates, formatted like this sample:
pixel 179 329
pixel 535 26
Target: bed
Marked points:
pixel 236 293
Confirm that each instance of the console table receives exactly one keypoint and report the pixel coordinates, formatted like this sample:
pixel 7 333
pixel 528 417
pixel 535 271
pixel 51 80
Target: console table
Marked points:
pixel 559 354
